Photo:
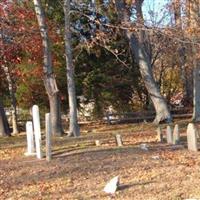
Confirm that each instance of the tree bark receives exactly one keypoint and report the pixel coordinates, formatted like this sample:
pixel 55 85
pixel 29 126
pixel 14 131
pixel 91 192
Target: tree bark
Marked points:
pixel 49 78
pixel 13 99
pixel 139 51
pixel 194 25
pixel 74 129
pixel 4 126
pixel 196 86
pixel 186 77
pixel 55 108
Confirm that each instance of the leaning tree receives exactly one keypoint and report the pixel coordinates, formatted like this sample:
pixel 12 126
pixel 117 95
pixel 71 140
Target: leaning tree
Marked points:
pixel 49 77
pixel 138 45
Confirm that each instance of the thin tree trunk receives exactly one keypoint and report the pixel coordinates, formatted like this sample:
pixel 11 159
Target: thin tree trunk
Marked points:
pixel 137 45
pixel 185 77
pixel 11 90
pixel 194 25
pixel 74 129
pixel 196 85
pixel 4 126
pixel 13 99
pixel 49 78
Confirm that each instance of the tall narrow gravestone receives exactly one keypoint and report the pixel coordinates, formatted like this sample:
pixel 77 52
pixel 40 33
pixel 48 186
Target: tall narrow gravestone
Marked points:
pixel 30 139
pixel 118 139
pixel 159 134
pixel 169 135
pixel 37 130
pixel 176 135
pixel 192 137
pixel 48 136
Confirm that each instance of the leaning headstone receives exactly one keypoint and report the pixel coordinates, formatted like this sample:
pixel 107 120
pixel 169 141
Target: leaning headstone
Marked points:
pixel 30 139
pixel 159 134
pixel 176 135
pixel 112 185
pixel 37 131
pixel 119 140
pixel 169 135
pixel 48 136
pixel 192 137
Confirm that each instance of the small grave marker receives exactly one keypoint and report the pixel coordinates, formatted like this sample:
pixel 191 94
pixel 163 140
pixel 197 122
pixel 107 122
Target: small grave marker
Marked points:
pixel 97 143
pixel 37 131
pixel 192 137
pixel 159 134
pixel 112 185
pixel 144 147
pixel 30 139
pixel 119 140
pixel 169 135
pixel 176 135
pixel 48 136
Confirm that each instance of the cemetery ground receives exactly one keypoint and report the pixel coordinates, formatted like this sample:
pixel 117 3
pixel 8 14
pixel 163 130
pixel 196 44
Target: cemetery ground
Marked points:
pixel 80 169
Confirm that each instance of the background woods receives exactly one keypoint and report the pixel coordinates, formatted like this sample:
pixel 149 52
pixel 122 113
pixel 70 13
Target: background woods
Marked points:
pixel 120 56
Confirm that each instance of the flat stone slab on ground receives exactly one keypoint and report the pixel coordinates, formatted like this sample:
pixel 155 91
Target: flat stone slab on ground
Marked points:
pixel 112 185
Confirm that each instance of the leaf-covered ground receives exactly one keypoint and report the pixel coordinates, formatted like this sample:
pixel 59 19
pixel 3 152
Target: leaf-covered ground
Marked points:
pixel 79 170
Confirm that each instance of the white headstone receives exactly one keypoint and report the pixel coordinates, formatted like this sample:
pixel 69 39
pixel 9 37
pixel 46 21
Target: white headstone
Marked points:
pixel 48 136
pixel 159 134
pixel 37 130
pixel 169 135
pixel 192 137
pixel 97 143
pixel 176 135
pixel 119 140
pixel 144 147
pixel 30 139
pixel 112 185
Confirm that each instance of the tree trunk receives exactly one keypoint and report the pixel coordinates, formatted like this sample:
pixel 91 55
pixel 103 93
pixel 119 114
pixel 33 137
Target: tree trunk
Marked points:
pixel 74 129
pixel 56 118
pixel 196 86
pixel 4 126
pixel 194 25
pixel 49 78
pixel 186 77
pixel 13 99
pixel 137 45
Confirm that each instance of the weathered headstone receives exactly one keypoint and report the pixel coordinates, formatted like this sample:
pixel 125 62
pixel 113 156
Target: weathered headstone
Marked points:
pixel 119 140
pixel 37 131
pixel 192 137
pixel 112 185
pixel 144 147
pixel 176 135
pixel 169 135
pixel 30 139
pixel 48 136
pixel 97 143
pixel 159 134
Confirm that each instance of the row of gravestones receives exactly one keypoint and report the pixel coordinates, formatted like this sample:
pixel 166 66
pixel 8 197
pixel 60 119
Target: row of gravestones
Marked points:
pixel 33 133
pixel 34 139
pixel 173 136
